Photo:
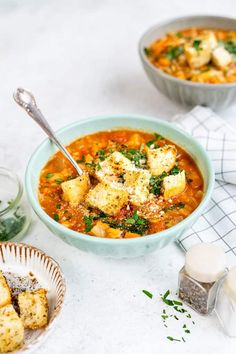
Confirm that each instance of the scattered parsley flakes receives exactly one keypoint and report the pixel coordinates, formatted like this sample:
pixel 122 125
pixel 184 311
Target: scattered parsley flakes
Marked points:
pixel 56 217
pixel 94 166
pixel 49 175
pixel 88 220
pixel 147 51
pixel 81 160
pixel 176 206
pixel 174 52
pixel 173 339
pixel 196 44
pixel 59 180
pixel 58 206
pixel 146 292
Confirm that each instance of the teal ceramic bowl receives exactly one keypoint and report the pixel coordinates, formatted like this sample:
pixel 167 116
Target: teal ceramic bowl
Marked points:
pixel 116 247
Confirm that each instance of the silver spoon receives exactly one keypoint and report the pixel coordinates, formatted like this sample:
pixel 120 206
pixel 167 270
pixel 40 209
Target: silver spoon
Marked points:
pixel 26 100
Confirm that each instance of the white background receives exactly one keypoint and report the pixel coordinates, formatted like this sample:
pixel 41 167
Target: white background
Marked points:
pixel 80 59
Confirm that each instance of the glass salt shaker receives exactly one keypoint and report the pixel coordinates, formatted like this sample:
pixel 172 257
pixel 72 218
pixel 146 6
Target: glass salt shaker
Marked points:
pixel 225 306
pixel 205 264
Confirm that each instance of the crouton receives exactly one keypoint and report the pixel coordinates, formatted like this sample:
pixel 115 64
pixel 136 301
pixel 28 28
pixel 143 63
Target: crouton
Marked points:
pixel 129 234
pixel 200 55
pixel 109 199
pixel 75 189
pixel 162 159
pixel 33 308
pixel 136 184
pixel 113 233
pixel 174 184
pixel 113 167
pixel 210 38
pixel 135 141
pixel 221 57
pixel 99 229
pixel 11 330
pixel 5 293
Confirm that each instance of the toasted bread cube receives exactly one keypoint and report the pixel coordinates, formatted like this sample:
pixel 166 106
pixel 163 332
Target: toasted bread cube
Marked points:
pixel 174 185
pixel 210 38
pixel 211 76
pixel 107 198
pixel 135 141
pixel 99 229
pixel 11 330
pixel 129 234
pixel 162 159
pixel 197 57
pixel 75 189
pixel 33 308
pixel 5 293
pixel 136 184
pixel 113 167
pixel 221 57
pixel 113 233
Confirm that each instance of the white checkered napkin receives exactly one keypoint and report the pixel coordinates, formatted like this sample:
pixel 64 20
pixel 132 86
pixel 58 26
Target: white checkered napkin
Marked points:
pixel 218 223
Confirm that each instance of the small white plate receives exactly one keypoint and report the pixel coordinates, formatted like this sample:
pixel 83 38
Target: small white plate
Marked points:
pixel 22 260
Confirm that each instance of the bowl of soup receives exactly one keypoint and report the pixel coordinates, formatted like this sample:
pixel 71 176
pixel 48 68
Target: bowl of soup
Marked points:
pixel 144 183
pixel 192 59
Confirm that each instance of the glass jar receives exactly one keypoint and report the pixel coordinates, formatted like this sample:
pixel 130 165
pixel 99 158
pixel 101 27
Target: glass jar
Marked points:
pixel 225 306
pixel 205 265
pixel 14 213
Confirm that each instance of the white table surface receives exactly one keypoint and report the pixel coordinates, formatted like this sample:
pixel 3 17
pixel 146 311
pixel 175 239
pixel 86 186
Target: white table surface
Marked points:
pixel 80 59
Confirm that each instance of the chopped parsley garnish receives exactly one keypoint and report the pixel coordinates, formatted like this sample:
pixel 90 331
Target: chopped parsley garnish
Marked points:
pixel 153 142
pixel 175 170
pixel 94 166
pixel 146 292
pixel 158 136
pixel 102 155
pixel 56 217
pixel 196 44
pixel 138 157
pixel 88 220
pixel 174 52
pixel 70 178
pixel 147 51
pixel 49 175
pixel 155 183
pixel 58 206
pixel 59 180
pixel 176 206
pixel 81 160
pixel 136 224
pixel 179 34
pixel 133 223
pixel 230 46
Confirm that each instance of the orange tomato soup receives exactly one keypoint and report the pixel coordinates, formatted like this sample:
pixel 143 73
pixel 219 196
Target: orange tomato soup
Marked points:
pixel 155 183
pixel 196 54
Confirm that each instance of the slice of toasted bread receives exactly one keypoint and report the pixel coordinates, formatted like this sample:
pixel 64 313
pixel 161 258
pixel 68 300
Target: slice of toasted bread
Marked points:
pixel 33 308
pixel 5 292
pixel 11 329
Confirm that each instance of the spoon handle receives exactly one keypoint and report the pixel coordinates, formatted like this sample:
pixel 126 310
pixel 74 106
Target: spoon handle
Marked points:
pixel 26 100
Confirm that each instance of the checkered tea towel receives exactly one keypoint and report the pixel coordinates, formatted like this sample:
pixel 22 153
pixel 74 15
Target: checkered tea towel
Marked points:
pixel 218 222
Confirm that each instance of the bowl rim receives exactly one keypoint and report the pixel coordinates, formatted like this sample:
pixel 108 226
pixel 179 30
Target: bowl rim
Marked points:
pixel 77 235
pixel 170 77
pixel 20 245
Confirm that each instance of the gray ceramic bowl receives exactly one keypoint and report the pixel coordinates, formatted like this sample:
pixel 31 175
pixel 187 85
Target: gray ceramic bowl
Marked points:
pixel 212 95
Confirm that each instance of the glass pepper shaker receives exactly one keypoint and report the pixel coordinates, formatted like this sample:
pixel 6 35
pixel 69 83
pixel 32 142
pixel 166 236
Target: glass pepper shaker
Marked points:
pixel 14 212
pixel 225 306
pixel 204 265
